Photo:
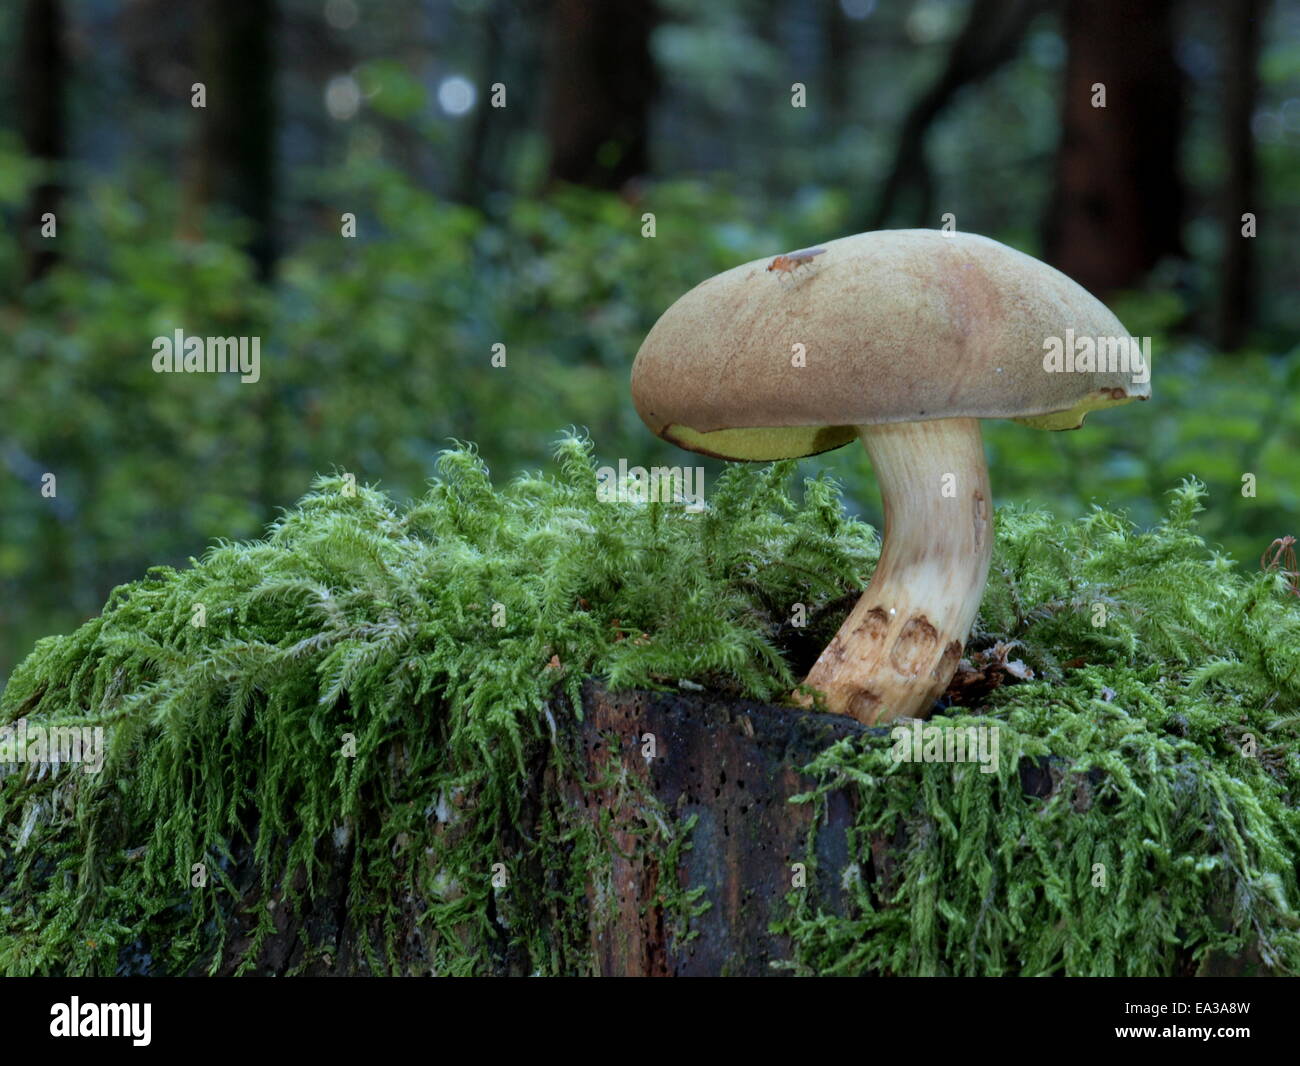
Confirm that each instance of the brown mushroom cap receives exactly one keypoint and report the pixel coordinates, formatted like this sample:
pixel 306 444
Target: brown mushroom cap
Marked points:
pixel 897 325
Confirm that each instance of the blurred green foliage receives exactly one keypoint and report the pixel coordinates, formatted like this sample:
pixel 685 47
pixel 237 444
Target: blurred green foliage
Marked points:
pixel 376 351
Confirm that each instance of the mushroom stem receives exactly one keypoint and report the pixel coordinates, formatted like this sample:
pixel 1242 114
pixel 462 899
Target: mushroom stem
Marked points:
pixel 898 649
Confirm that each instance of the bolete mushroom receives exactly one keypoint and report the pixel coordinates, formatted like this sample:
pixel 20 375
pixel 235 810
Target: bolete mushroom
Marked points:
pixel 904 339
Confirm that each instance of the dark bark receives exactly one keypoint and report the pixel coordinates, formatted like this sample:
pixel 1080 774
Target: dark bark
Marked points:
pixel 734 765
pixel 600 81
pixel 41 73
pixel 990 38
pixel 1242 30
pixel 1118 200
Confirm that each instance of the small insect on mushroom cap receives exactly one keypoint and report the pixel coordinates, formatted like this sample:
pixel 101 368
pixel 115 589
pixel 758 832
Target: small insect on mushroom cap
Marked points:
pixel 792 260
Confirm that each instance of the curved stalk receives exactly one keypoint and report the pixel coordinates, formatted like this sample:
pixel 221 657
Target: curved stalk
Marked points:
pixel 898 649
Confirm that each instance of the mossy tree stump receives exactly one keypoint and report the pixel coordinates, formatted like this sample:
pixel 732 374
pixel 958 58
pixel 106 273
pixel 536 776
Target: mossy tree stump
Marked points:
pixel 713 777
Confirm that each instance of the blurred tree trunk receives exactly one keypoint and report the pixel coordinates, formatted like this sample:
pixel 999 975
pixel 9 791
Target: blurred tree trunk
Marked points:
pixel 600 81
pixel 235 166
pixel 1118 201
pixel 1242 19
pixel 235 159
pixel 839 30
pixel 990 38
pixel 470 185
pixel 41 71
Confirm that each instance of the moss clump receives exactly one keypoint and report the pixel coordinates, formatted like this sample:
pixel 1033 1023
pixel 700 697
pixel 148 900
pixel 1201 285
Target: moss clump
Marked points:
pixel 370 709
pixel 374 691
pixel 1165 721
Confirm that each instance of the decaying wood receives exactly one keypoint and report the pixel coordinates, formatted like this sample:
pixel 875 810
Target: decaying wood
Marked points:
pixel 731 765
pixel 734 765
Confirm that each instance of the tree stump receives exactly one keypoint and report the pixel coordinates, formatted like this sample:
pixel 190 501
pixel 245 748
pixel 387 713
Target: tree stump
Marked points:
pixel 733 765
pixel 637 770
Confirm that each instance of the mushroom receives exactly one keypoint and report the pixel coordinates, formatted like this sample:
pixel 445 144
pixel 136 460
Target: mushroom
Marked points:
pixel 904 339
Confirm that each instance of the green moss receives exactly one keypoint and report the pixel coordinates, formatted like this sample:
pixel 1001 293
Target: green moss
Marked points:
pixel 1169 837
pixel 355 618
